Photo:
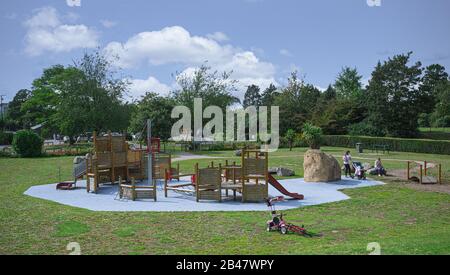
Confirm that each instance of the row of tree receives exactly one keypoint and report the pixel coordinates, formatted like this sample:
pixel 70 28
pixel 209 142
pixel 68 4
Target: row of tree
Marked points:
pixel 88 96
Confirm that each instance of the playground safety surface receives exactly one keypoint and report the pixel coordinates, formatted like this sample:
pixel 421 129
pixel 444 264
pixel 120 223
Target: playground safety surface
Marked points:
pixel 107 199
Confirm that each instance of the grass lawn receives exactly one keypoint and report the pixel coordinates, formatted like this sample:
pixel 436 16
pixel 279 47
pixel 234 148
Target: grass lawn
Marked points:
pixel 402 220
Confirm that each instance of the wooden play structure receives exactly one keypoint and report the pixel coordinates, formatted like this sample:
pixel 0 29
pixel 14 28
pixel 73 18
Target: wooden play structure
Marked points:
pixel 255 175
pixel 108 162
pixel 135 192
pixel 206 183
pixel 424 172
pixel 251 179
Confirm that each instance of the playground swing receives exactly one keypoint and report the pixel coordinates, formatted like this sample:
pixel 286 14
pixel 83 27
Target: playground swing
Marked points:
pixel 424 172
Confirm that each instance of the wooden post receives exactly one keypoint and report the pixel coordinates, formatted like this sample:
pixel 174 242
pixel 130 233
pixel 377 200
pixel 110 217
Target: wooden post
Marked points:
pixel 420 179
pixel 197 179
pixel 133 189
pixel 440 174
pixel 120 187
pixel 407 172
pixel 425 168
pixel 165 183
pixel 150 153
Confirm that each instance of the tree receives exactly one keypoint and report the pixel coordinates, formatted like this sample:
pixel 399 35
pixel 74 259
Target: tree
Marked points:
pixel 329 93
pixel 392 96
pixel 268 96
pixel 312 135
pixel 434 77
pixel 348 84
pixel 290 138
pixel 441 115
pixel 214 88
pixel 252 96
pixel 80 98
pixel 297 102
pixel 15 114
pixel 158 109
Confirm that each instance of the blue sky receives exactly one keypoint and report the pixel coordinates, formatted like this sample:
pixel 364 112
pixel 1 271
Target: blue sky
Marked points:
pixel 262 41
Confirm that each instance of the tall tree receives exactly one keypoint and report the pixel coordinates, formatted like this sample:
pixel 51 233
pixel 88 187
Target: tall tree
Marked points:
pixel 15 114
pixel 441 115
pixel 252 96
pixel 434 76
pixel 297 102
pixel 158 109
pixel 268 96
pixel 348 84
pixel 392 96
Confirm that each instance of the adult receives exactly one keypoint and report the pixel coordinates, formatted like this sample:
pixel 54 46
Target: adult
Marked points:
pixel 347 158
pixel 379 168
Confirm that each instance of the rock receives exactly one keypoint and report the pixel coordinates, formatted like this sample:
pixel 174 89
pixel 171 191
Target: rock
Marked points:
pixel 273 170
pixel 238 153
pixel 284 172
pixel 321 167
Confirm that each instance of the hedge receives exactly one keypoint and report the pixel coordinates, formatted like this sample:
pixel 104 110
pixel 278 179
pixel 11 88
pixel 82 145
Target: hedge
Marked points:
pixel 6 138
pixel 426 146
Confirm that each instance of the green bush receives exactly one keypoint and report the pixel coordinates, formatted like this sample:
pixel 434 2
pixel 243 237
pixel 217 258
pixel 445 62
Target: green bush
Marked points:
pixel 6 138
pixel 366 129
pixel 27 144
pixel 426 146
pixel 312 135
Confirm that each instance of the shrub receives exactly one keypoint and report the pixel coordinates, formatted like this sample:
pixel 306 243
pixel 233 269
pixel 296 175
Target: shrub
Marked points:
pixel 27 144
pixel 6 138
pixel 426 146
pixel 364 129
pixel 312 135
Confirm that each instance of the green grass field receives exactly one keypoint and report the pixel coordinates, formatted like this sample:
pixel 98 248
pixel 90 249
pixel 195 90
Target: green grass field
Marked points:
pixel 402 220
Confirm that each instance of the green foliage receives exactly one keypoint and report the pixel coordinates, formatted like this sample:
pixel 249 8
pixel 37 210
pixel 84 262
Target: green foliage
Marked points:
pixel 252 96
pixel 6 138
pixel 348 84
pixel 158 109
pixel 15 114
pixel 394 144
pixel 290 137
pixel 364 129
pixel 432 81
pixel 441 115
pixel 296 102
pixel 312 135
pixel 268 96
pixel 27 144
pixel 392 97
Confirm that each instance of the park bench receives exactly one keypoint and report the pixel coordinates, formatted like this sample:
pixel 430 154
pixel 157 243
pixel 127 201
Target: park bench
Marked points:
pixel 380 147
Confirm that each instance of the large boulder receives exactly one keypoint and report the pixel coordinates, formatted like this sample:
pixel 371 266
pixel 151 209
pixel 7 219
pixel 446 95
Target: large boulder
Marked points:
pixel 321 167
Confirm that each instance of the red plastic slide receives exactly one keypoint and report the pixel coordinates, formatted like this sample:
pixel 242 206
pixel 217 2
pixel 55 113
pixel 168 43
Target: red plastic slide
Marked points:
pixel 283 191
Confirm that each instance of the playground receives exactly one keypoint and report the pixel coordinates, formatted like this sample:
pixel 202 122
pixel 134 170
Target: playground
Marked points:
pixel 403 219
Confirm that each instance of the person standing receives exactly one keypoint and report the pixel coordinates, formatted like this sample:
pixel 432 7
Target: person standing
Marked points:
pixel 347 158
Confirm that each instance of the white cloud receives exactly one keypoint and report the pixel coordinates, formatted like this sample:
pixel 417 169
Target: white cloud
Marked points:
pixel 73 3
pixel 46 33
pixel 108 23
pixel 139 87
pixel 175 45
pixel 286 53
pixel 218 36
